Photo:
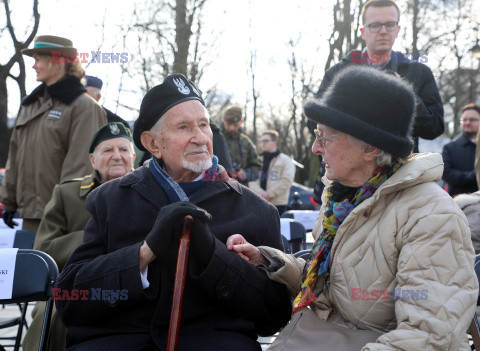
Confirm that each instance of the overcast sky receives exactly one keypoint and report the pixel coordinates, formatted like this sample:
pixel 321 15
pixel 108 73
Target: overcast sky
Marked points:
pixel 273 23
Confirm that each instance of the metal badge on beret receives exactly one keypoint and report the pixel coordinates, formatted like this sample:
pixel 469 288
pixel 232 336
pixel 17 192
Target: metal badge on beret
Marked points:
pixel 158 100
pixel 109 131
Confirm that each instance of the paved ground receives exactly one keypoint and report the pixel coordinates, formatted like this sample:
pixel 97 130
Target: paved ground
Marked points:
pixel 11 311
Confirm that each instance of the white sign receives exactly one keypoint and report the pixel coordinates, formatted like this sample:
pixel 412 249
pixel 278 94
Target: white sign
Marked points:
pixel 17 227
pixel 285 228
pixel 7 237
pixel 307 218
pixel 7 272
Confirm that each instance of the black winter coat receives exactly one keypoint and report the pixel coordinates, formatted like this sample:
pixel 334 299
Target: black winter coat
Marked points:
pixel 458 172
pixel 429 113
pixel 226 304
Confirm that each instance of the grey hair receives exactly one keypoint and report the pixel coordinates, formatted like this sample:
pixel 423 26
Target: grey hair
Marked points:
pixel 383 158
pixel 157 127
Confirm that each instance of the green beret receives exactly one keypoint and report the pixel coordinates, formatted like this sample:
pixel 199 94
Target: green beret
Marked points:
pixel 109 131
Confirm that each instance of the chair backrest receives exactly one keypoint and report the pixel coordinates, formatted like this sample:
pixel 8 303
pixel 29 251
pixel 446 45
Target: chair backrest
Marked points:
pixel 294 232
pixel 35 275
pixel 302 254
pixel 306 217
pixel 33 280
pixel 24 239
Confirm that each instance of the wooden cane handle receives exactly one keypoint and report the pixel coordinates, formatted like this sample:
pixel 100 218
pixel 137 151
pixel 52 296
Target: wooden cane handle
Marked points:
pixel 179 287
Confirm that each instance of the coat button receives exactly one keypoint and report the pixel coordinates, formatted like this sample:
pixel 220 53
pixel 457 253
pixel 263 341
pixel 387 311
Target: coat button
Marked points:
pixel 224 291
pixel 112 301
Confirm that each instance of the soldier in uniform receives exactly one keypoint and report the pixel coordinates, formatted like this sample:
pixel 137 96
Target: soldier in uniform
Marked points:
pixel 65 216
pixel 243 153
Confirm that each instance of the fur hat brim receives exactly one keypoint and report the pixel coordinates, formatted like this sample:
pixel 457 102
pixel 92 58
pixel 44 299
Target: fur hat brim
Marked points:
pixel 348 124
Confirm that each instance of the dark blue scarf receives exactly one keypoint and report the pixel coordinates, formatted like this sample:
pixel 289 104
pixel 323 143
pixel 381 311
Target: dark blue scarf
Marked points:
pixel 174 191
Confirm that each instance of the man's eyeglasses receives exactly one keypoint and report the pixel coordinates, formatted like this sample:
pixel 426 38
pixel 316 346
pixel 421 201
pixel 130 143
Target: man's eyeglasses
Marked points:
pixel 265 141
pixel 376 27
pixel 463 120
pixel 323 141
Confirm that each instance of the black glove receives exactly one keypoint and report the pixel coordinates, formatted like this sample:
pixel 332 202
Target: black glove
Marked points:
pixel 7 216
pixel 168 224
pixel 203 242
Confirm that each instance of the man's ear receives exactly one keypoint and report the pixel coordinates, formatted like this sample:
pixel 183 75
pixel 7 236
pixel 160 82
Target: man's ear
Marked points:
pixel 150 142
pixel 362 31
pixel 92 160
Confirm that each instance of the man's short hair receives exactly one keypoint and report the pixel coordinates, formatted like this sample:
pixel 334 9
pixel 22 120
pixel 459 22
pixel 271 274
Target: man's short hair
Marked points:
pixel 471 106
pixel 378 3
pixel 273 134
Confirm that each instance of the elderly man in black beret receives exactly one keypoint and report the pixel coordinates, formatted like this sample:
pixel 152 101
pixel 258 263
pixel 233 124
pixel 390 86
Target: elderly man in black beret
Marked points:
pixel 61 228
pixel 126 265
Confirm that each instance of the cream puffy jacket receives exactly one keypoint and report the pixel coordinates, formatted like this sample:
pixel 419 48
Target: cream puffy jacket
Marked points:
pixel 281 173
pixel 409 240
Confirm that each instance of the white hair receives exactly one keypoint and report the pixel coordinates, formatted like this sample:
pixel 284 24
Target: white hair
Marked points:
pixel 132 149
pixel 383 158
pixel 157 127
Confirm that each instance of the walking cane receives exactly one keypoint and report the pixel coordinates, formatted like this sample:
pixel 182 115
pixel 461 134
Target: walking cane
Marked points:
pixel 180 275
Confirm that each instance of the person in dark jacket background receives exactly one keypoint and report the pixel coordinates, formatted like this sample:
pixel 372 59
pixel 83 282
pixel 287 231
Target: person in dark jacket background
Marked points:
pixel 130 245
pixel 459 155
pixel 380 20
pixel 94 86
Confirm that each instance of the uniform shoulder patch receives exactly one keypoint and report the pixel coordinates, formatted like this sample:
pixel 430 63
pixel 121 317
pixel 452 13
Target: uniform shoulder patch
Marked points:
pixel 72 180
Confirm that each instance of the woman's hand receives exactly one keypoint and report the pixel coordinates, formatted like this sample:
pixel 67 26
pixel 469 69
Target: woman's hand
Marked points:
pixel 245 250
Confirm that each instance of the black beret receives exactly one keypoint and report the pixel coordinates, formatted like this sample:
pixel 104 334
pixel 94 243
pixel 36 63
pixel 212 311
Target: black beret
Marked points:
pixel 93 82
pixel 158 100
pixel 370 105
pixel 109 131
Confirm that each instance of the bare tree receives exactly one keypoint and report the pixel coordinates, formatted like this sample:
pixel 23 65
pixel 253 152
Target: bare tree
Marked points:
pixel 6 70
pixel 166 37
pixel 345 35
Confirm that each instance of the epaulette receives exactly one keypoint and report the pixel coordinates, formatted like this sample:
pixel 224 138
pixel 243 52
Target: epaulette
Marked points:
pixel 72 180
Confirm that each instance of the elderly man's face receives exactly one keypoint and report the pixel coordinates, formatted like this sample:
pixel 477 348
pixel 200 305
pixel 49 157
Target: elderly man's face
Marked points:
pixel 343 162
pixel 185 141
pixel 113 158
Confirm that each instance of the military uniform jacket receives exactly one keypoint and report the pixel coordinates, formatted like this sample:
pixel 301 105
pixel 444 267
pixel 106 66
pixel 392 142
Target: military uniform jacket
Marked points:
pixel 228 296
pixel 242 152
pixel 65 217
pixel 49 144
pixel 59 233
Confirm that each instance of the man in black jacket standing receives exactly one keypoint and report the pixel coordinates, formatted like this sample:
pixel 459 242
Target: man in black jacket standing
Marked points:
pixel 380 29
pixel 125 268
pixel 459 155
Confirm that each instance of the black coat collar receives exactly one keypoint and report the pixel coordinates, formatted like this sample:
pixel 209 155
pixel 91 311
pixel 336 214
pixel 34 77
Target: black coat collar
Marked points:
pixel 143 181
pixel 66 90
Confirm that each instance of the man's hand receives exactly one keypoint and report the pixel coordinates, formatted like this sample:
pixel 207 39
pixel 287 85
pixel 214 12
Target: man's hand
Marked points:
pixel 7 216
pixel 146 256
pixel 245 250
pixel 168 224
pixel 266 196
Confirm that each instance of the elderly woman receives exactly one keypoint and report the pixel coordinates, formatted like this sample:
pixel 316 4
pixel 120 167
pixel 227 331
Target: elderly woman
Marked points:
pixel 392 264
pixel 49 143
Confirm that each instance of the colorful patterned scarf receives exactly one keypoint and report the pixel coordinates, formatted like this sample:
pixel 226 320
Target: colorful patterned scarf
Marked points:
pixel 340 201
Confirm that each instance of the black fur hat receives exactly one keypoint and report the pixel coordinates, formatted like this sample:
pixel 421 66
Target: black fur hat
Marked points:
pixel 370 105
